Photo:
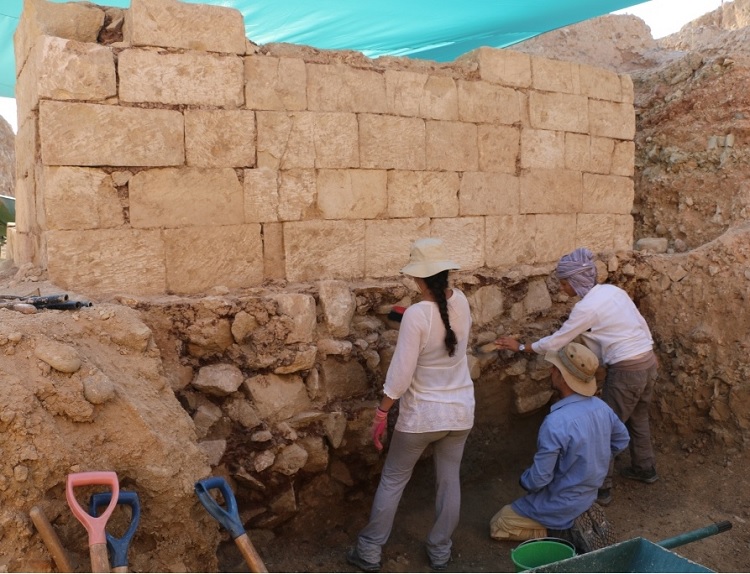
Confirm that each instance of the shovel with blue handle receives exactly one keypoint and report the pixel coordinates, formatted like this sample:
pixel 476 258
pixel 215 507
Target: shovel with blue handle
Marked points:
pixel 118 547
pixel 229 518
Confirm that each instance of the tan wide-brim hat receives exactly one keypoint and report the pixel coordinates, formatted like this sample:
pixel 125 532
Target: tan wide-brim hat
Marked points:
pixel 578 365
pixel 427 258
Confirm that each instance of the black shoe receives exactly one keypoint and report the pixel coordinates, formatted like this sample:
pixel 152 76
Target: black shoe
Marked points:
pixel 353 558
pixel 442 567
pixel 648 476
pixel 604 497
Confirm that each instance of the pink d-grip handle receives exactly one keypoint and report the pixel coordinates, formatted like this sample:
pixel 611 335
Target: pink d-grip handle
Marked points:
pixel 95 526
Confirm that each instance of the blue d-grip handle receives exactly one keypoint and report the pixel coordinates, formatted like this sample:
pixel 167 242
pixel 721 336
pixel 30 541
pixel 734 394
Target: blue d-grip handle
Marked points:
pixel 229 518
pixel 118 547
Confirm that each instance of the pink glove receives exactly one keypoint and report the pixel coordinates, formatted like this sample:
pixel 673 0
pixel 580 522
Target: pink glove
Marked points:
pixel 378 427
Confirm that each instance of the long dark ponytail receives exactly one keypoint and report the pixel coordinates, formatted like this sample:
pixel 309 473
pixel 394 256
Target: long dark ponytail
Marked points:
pixel 437 284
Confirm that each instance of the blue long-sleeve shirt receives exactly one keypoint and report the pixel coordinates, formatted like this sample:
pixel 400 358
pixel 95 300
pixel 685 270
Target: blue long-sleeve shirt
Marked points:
pixel 576 441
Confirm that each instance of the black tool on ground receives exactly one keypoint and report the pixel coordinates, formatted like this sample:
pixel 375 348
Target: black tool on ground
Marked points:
pixel 59 301
pixel 118 547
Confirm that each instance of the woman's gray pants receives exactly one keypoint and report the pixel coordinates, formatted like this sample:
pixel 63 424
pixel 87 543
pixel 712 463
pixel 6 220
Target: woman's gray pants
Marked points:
pixel 403 454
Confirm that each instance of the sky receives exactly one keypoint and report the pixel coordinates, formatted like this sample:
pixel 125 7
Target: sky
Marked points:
pixel 664 17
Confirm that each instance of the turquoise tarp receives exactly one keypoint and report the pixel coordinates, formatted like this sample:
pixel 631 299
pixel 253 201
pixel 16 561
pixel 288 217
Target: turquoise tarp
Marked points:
pixel 438 30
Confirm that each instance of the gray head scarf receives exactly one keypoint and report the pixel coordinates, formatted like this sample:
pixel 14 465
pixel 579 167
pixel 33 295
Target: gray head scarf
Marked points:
pixel 578 269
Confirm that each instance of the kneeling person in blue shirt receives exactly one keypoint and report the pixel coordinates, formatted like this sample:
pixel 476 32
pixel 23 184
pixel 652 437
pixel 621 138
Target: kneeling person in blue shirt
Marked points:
pixel 576 441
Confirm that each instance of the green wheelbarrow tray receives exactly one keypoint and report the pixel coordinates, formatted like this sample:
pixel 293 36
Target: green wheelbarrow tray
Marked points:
pixel 7 212
pixel 638 555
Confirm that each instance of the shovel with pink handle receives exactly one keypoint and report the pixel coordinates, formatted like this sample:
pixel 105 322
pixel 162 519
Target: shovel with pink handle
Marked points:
pixel 95 526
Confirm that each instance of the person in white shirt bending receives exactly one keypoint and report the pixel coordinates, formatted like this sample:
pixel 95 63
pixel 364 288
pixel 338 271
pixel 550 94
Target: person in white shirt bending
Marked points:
pixel 609 324
pixel 429 374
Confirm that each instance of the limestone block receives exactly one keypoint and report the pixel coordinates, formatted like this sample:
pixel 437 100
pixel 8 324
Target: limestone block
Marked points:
pixel 623 158
pixel 487 103
pixel 189 78
pixel 499 147
pixel 612 120
pixel 335 427
pixel 623 232
pixel 300 308
pixel 352 193
pixel 59 356
pixel 335 347
pixel 277 397
pixel 451 146
pixel 577 152
pixel 229 255
pixel 286 140
pixel 387 243
pixel 301 360
pixel 422 193
pixel 177 197
pixel 290 460
pixel 80 198
pixel 240 410
pixel 340 88
pixel 464 239
pixel 297 193
pixel 555 236
pixel 595 231
pixel 655 244
pixel 486 304
pixel 220 138
pixel 273 251
pixel 219 380
pixel 342 379
pixel 388 142
pixel 551 191
pixel 107 261
pixel 175 24
pixel 440 99
pixel 537 297
pixel 542 148
pixel 317 451
pixel 601 155
pixel 504 66
pixel 275 83
pixel 555 76
pixel 336 140
pixel 324 250
pixel 627 92
pixel 61 69
pixel 243 326
pixel 261 191
pixel 599 83
pixel 509 240
pixel 607 194
pixel 555 111
pixel 26 217
pixel 94 135
pixel 404 91
pixel 338 305
pixel 206 415
pixel 486 193
pixel 71 20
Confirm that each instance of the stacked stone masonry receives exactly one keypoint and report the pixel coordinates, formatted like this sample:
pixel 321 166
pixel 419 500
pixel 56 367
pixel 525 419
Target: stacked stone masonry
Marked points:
pixel 182 157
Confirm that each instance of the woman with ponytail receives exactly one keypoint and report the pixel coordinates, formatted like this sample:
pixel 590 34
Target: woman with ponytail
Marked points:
pixel 429 375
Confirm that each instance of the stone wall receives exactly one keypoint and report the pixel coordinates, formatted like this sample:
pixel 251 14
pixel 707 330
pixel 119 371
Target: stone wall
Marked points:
pixel 159 151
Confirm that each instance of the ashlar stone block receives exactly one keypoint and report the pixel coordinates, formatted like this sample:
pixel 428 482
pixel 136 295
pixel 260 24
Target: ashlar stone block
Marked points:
pixel 623 232
pixel 451 146
pixel 542 148
pixel 599 83
pixel 555 76
pixel 286 140
pixel 555 236
pixel 601 155
pixel 297 195
pixel 275 83
pixel 324 249
pixel 607 194
pixel 273 251
pixel 551 191
pixel 612 120
pixel 80 198
pixel 505 67
pixel 595 231
pixel 577 152
pixel 489 103
pixel 388 142
pixel 175 24
pixel 336 140
pixel 439 99
pixel 352 193
pixel 278 397
pixel 464 239
pixel 484 193
pixel 220 138
pixel 422 194
pixel 107 261
pixel 94 135
pixel 387 244
pixel 509 240
pixel 261 189
pixel 421 95
pixel 556 111
pixel 339 88
pixel 226 255
pixel 627 90
pixel 300 309
pixel 342 380
pixel 623 158
pixel 189 78
pixel 499 147
pixel 173 197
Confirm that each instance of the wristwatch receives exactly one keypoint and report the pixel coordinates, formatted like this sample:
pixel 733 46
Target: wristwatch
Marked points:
pixel 521 348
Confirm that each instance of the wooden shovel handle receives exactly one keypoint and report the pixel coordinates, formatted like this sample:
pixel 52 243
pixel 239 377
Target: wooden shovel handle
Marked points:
pixel 249 553
pixel 51 540
pixel 99 557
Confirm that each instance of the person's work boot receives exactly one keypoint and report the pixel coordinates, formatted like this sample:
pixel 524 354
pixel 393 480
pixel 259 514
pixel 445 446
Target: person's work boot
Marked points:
pixel 353 558
pixel 648 475
pixel 604 497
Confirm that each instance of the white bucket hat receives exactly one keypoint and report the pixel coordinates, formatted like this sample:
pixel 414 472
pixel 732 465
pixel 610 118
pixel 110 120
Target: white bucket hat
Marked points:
pixel 578 365
pixel 427 258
